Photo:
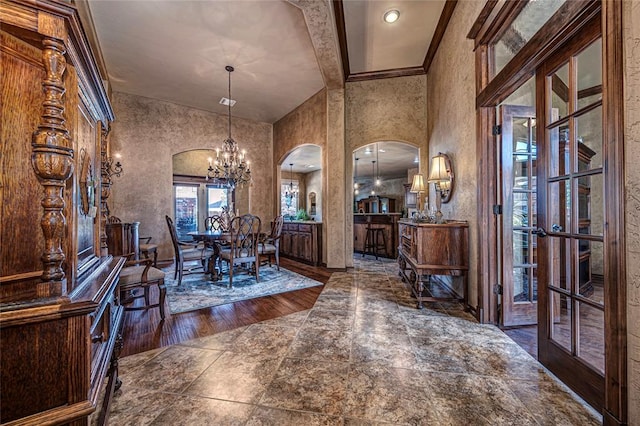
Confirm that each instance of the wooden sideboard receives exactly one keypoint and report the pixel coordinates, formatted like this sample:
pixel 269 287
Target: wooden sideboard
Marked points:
pixel 428 249
pixel 60 314
pixel 302 241
pixel 389 224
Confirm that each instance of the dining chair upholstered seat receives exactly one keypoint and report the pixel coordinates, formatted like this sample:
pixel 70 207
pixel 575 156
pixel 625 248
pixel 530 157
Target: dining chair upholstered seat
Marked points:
pixel 270 245
pixel 147 249
pixel 243 247
pixel 186 254
pixel 140 274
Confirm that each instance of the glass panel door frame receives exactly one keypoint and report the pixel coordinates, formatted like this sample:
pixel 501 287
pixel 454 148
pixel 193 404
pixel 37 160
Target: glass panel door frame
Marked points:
pixel 524 311
pixel 491 91
pixel 558 293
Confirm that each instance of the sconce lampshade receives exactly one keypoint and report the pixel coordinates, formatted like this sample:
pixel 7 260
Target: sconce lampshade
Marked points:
pixel 438 171
pixel 418 184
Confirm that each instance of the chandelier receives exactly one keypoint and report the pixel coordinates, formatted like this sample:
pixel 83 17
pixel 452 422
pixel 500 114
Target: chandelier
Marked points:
pixel 230 164
pixel 290 194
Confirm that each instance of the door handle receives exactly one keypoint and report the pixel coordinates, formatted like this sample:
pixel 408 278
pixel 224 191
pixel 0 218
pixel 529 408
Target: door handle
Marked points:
pixel 540 232
pixel 556 228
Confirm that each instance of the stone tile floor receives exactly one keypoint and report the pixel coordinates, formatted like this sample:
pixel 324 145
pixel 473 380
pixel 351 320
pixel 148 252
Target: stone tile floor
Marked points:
pixel 364 355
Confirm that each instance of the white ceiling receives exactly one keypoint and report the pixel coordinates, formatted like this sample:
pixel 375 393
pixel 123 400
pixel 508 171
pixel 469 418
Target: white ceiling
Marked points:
pixel 177 50
pixel 375 45
pixel 392 161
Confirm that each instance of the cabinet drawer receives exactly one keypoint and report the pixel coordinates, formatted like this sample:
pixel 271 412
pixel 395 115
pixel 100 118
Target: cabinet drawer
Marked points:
pixel 304 228
pixel 290 227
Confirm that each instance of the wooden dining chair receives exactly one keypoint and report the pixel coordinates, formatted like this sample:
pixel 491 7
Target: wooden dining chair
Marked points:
pixel 270 245
pixel 243 247
pixel 187 253
pixel 140 274
pixel 215 223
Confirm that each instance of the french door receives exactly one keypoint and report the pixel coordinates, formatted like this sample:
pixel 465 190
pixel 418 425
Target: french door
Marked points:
pixel 519 255
pixel 571 217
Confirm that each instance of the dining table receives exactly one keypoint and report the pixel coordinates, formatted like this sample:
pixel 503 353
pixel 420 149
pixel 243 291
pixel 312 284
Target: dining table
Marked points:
pixel 212 239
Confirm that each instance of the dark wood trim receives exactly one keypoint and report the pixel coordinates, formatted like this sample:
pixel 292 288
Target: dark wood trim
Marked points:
pixel 614 172
pixel 482 18
pixel 485 151
pixel 443 22
pixel 375 75
pixel 563 25
pixel 492 30
pixel 338 9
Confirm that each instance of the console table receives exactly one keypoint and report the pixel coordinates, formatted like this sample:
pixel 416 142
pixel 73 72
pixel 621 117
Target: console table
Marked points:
pixel 433 249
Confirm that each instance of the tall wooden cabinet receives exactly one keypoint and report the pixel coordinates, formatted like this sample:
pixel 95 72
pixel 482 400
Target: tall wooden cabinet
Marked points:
pixel 60 316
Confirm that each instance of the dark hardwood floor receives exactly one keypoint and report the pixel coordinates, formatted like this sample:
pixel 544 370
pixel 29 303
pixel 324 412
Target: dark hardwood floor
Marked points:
pixel 143 330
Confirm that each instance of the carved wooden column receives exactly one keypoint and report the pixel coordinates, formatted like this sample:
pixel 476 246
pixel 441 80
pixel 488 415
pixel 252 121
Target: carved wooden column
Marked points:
pixel 52 158
pixel 105 187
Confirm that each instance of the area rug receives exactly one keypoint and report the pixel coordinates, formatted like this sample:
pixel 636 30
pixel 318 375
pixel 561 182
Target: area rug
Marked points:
pixel 198 291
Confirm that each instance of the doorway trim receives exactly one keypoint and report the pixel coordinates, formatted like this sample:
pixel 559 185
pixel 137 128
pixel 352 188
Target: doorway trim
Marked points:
pixel 493 21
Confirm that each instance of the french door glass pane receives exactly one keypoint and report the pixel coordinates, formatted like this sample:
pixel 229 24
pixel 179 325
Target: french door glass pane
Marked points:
pixel 560 94
pixel 591 335
pixel 525 287
pixel 558 151
pixel 591 270
pixel 560 199
pixel 532 17
pixel 590 74
pixel 561 321
pixel 589 131
pixel 186 205
pixel 561 264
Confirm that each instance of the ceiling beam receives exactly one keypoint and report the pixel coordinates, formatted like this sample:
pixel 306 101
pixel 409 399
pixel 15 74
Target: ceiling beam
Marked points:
pixel 374 75
pixel 443 22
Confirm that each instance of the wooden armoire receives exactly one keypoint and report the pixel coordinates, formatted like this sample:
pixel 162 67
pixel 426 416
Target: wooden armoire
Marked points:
pixel 60 316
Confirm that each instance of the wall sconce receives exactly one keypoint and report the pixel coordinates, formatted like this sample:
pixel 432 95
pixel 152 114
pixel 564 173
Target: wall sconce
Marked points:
pixel 441 175
pixel 110 169
pixel 418 186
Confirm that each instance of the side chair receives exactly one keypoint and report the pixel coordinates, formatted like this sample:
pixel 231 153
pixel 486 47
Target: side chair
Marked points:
pixel 243 247
pixel 270 245
pixel 187 252
pixel 140 274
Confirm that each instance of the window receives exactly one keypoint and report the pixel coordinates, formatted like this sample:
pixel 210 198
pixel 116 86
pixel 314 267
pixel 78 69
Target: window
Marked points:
pixel 216 199
pixel 186 208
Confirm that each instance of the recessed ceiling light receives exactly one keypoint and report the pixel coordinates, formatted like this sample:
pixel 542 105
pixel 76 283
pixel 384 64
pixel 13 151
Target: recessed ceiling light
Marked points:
pixel 381 150
pixel 308 166
pixel 391 16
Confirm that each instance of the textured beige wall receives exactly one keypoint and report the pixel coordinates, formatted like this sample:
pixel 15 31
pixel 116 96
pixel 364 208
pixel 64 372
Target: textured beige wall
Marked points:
pixel 307 124
pixel 148 132
pixel 451 123
pixel 632 207
pixel 390 109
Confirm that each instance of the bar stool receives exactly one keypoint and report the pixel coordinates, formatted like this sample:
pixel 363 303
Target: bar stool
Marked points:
pixel 146 249
pixel 374 241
